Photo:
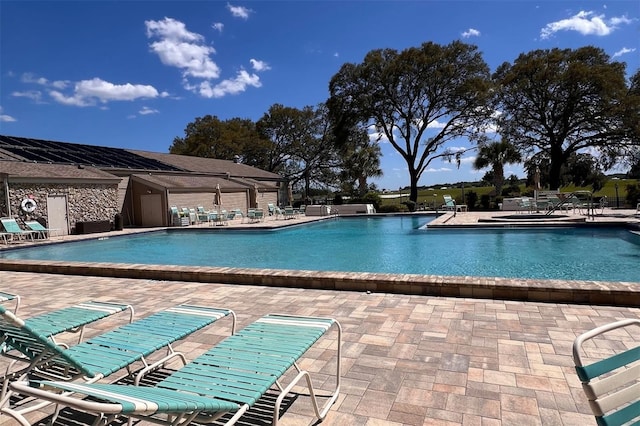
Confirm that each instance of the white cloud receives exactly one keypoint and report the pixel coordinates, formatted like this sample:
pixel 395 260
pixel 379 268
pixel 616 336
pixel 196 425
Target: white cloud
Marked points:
pixel 178 47
pixel 4 118
pixel 585 23
pixel 435 124
pixel 34 95
pixel 239 11
pixel 181 48
pixel 229 87
pixel 31 78
pixel 624 51
pixel 471 32
pixel 441 169
pixel 375 135
pixel 468 160
pixel 218 26
pixel 146 111
pixel 89 92
pixel 259 65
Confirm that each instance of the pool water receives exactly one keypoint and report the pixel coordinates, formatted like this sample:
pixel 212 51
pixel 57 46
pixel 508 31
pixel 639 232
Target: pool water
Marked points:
pixel 399 245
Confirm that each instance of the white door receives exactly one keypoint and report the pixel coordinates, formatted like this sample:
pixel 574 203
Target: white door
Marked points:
pixel 57 214
pixel 151 210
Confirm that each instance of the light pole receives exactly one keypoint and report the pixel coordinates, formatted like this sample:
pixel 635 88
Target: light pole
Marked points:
pixel 617 199
pixel 435 206
pixel 400 191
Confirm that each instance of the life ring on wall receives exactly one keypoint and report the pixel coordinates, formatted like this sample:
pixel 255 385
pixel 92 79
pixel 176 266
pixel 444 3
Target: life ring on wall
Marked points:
pixel 28 205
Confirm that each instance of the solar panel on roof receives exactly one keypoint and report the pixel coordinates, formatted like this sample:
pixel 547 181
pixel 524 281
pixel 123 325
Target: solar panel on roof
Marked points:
pixel 26 154
pixel 68 153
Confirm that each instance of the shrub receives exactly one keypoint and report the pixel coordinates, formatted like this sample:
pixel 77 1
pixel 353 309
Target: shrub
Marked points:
pixel 392 208
pixel 485 201
pixel 472 199
pixel 369 198
pixel 411 205
pixel 633 194
pixel 337 200
pixel 497 202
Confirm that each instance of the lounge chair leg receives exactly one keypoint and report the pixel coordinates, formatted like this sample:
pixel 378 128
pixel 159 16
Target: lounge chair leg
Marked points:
pixel 16 416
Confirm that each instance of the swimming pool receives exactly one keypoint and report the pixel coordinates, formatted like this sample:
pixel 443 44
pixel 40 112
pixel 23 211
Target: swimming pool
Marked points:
pixel 399 245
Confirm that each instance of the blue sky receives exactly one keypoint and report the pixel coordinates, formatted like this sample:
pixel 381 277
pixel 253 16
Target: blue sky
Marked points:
pixel 133 74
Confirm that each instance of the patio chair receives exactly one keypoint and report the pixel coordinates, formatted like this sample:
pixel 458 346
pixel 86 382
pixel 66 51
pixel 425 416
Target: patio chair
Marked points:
pixel 612 384
pixel 11 226
pixel 289 213
pixel 5 297
pixel 258 215
pixel 72 319
pixel 190 214
pixel 527 204
pixel 202 215
pixel 176 216
pixel 107 353
pixel 6 237
pixel 235 214
pixel 228 379
pixel 451 205
pixel 223 218
pixel 41 231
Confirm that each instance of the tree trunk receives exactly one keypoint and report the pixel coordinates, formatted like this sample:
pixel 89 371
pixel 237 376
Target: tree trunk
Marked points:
pixel 555 168
pixel 498 178
pixel 413 194
pixel 362 186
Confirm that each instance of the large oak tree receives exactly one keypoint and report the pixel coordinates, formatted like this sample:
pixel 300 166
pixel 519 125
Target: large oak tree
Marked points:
pixel 301 145
pixel 559 102
pixel 402 94
pixel 235 139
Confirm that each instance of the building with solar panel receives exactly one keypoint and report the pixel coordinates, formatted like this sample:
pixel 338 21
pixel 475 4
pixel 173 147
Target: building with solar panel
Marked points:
pixel 79 188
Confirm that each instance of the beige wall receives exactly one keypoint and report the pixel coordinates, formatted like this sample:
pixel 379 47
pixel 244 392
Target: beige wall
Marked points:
pixel 265 198
pixel 230 200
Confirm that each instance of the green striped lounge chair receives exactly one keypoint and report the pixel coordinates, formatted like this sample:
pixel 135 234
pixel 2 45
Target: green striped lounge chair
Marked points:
pixel 611 384
pixel 72 319
pixel 103 355
pixel 220 385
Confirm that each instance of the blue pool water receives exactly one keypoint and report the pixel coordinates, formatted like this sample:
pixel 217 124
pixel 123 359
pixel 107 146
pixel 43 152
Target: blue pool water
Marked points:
pixel 384 244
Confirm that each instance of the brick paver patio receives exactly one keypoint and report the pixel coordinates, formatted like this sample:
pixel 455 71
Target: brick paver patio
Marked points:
pixel 407 360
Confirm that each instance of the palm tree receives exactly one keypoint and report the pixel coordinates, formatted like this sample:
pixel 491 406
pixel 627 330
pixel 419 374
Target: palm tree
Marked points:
pixel 496 155
pixel 362 162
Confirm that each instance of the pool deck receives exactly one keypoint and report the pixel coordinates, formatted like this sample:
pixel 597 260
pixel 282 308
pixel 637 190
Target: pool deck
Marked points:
pixel 408 358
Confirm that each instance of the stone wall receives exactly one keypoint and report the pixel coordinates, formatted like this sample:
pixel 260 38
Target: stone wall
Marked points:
pixel 85 202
